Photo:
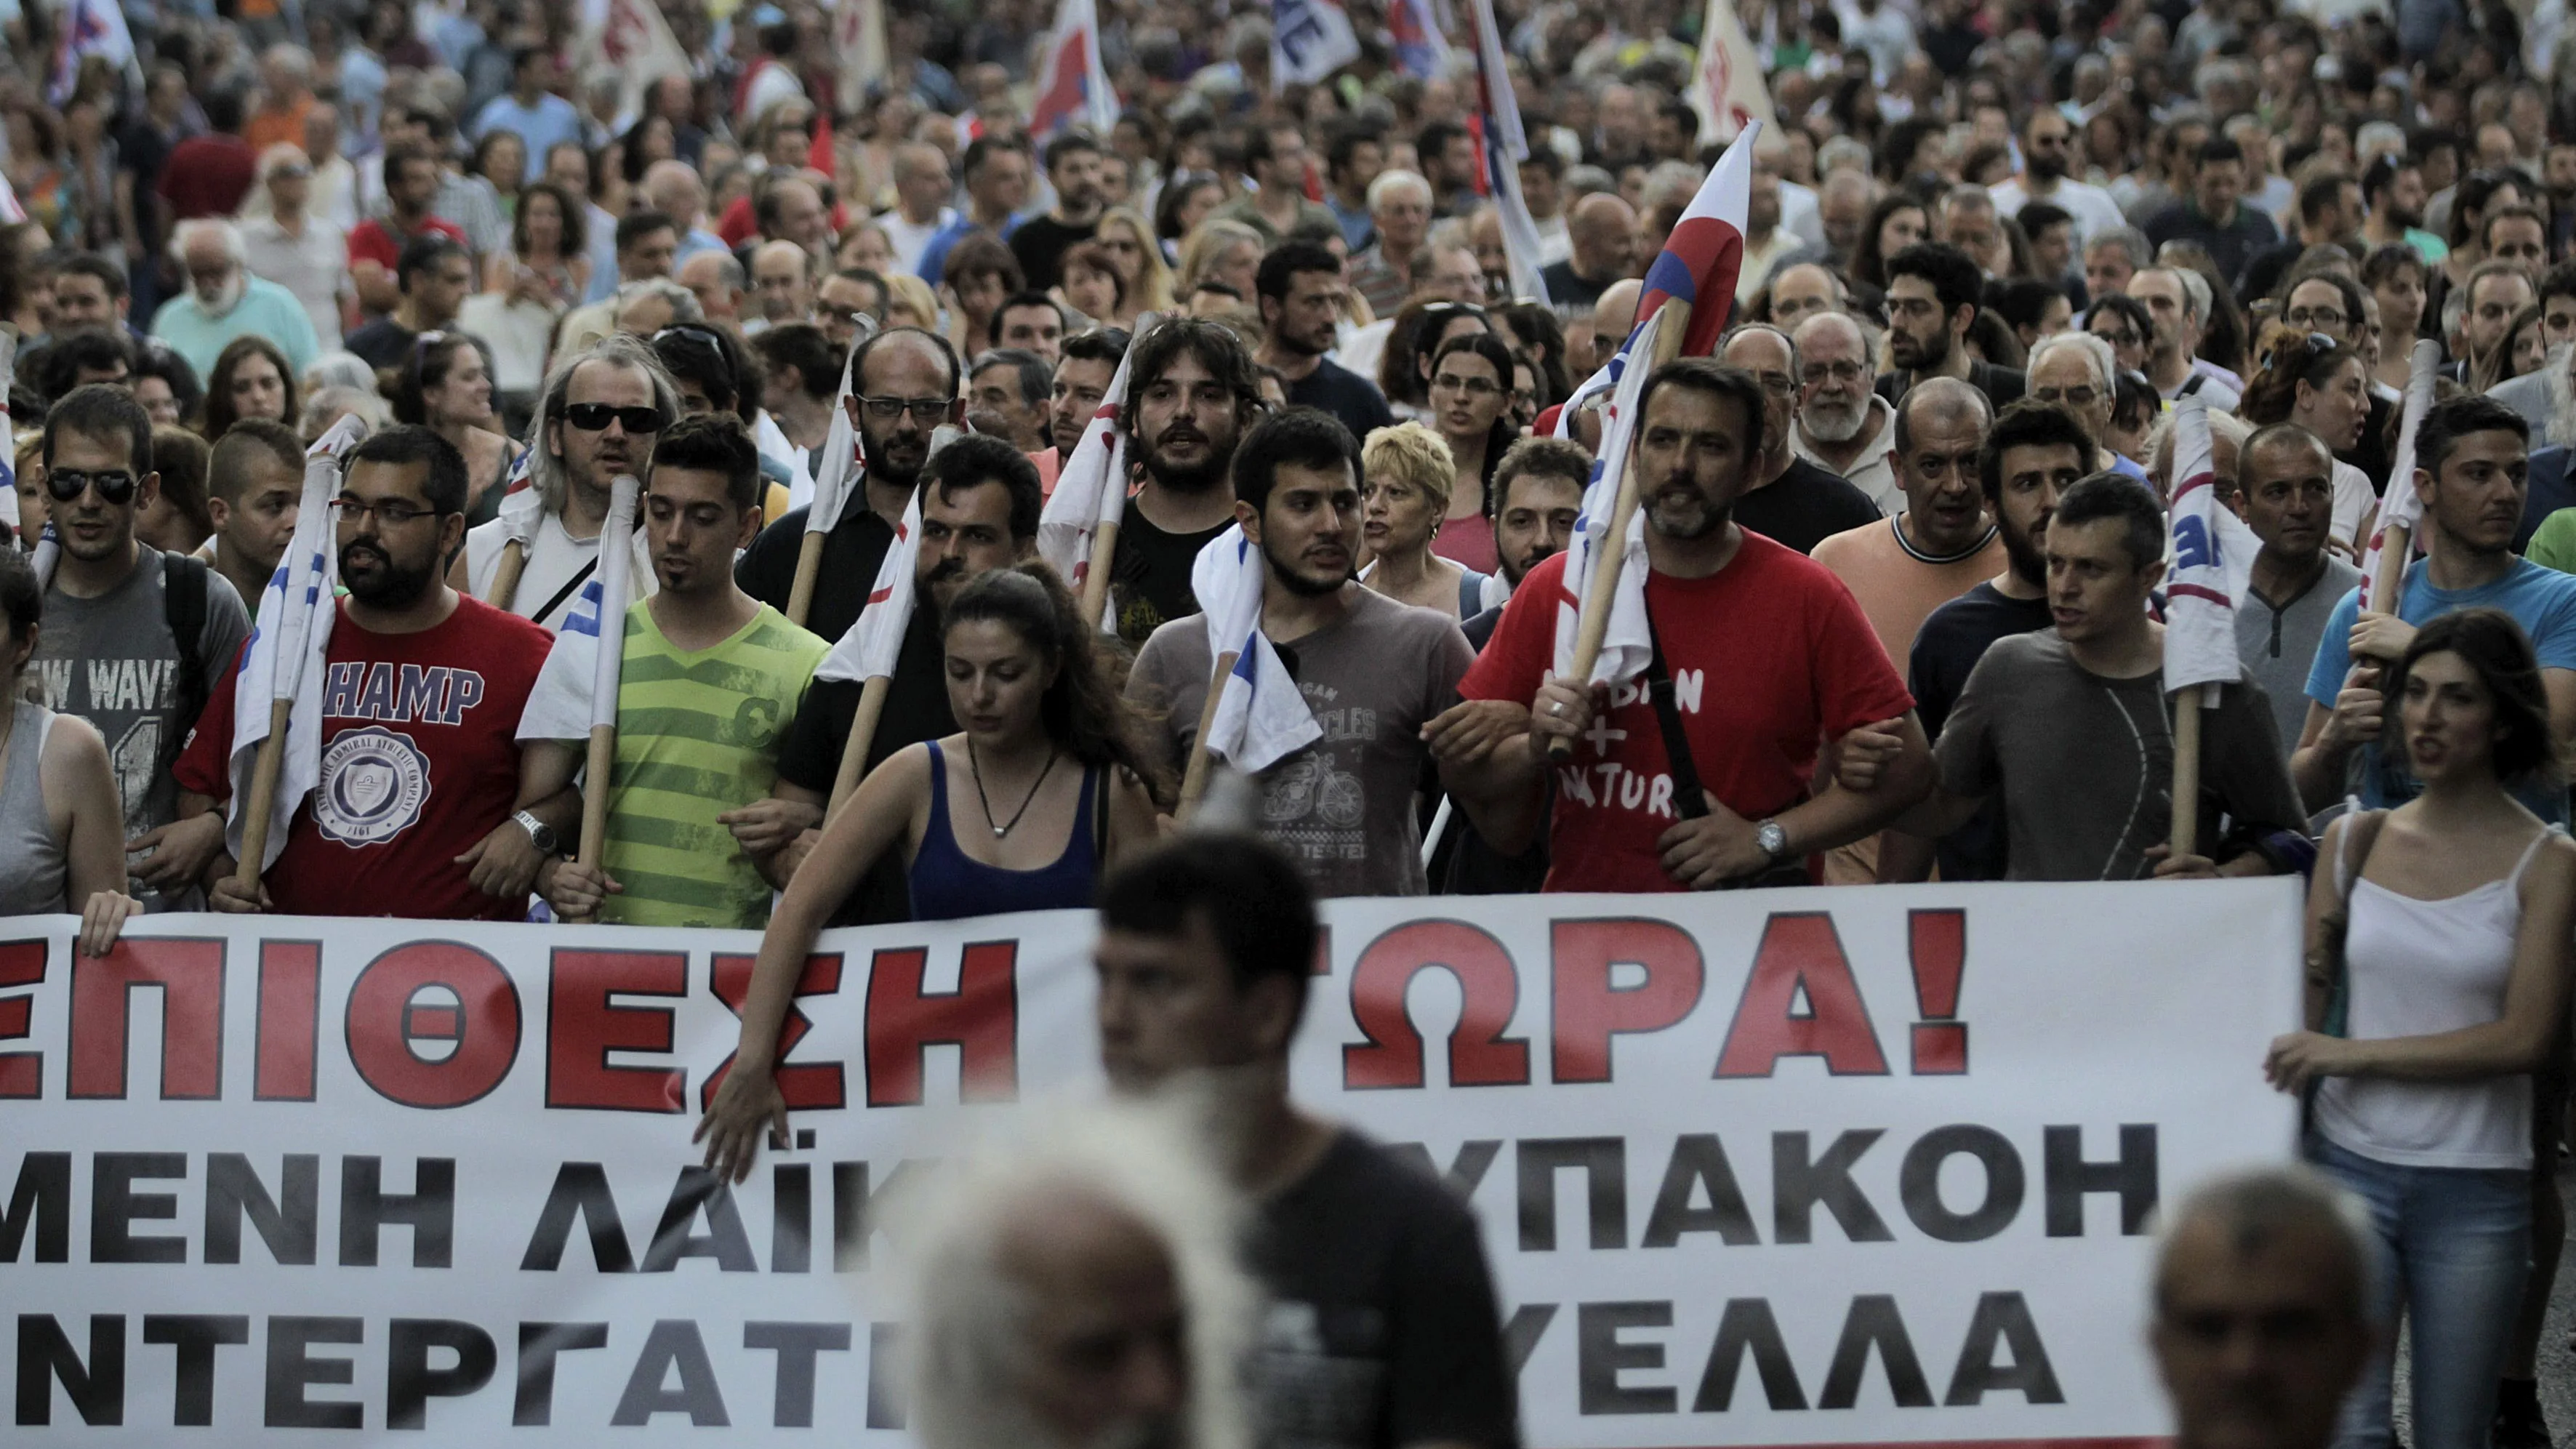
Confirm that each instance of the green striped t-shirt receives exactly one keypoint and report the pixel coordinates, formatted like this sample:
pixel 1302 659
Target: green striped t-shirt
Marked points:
pixel 697 735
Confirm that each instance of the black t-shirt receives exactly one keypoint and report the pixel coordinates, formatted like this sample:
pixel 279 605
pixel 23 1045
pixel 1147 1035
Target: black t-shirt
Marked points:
pixel 1465 865
pixel 1949 645
pixel 1346 395
pixel 1149 576
pixel 851 553
pixel 1382 1329
pixel 1807 506
pixel 916 709
pixel 383 343
pixel 2001 385
pixel 2373 454
pixel 1041 242
pixel 1570 293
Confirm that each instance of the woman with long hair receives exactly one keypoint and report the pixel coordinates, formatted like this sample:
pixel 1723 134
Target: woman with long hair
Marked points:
pixel 501 158
pixel 1471 402
pixel 1092 286
pixel 1541 334
pixel 865 244
pixel 251 379
pixel 1221 250
pixel 1897 222
pixel 548 263
pixel 649 140
pixel 62 830
pixel 1052 768
pixel 1407 478
pixel 1139 263
pixel 2437 985
pixel 177 520
pixel 446 387
pixel 2526 348
pixel 980 272
pixel 1185 202
pixel 1420 326
pixel 2310 379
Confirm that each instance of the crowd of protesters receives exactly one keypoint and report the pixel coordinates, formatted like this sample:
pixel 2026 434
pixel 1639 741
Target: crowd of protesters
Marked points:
pixel 1905 531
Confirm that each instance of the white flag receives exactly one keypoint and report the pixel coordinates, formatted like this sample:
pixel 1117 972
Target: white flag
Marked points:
pixel 1091 489
pixel 1726 86
pixel 836 468
pixel 630 40
pixel 1505 146
pixel 2200 605
pixel 290 642
pixel 1309 40
pixel 875 638
pixel 859 40
pixel 1627 646
pixel 577 688
pixel 1260 718
pixel 2401 506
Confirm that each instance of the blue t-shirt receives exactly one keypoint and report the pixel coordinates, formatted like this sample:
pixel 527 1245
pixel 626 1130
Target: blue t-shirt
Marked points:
pixel 547 124
pixel 2540 599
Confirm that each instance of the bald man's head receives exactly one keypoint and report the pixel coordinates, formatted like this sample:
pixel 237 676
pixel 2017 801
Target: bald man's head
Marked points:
pixel 674 188
pixel 782 277
pixel 1603 230
pixel 1613 315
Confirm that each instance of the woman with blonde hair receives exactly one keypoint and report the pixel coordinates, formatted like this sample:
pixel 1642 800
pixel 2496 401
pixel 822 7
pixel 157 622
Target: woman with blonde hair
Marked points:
pixel 1406 477
pixel 910 302
pixel 1221 251
pixel 1129 242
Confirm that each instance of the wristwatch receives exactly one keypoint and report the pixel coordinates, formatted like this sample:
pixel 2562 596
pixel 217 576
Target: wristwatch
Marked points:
pixel 539 832
pixel 1774 840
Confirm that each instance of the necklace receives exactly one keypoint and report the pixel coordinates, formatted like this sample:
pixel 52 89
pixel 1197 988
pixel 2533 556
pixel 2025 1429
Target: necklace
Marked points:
pixel 975 767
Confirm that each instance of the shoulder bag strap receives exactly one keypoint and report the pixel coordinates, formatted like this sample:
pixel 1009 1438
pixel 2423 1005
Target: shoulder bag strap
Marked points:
pixel 1689 801
pixel 582 576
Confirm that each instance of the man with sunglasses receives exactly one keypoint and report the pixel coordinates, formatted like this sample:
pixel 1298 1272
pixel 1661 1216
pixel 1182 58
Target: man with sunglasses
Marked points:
pixel 426 807
pixel 598 415
pixel 135 640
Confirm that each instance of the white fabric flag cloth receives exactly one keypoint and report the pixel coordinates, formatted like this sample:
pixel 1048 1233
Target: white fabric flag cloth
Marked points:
pixel 1505 146
pixel 1309 40
pixel 2400 505
pixel 1626 646
pixel 1261 718
pixel 836 470
pixel 290 643
pixel 2200 607
pixel 523 508
pixel 875 638
pixel 569 696
pixel 1091 490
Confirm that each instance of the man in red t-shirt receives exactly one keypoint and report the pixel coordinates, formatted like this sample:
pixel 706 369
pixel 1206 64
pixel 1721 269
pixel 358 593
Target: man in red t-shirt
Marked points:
pixel 1768 656
pixel 376 245
pixel 425 808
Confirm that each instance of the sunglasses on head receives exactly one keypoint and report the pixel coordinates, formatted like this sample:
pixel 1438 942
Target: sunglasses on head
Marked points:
pixel 115 488
pixel 595 418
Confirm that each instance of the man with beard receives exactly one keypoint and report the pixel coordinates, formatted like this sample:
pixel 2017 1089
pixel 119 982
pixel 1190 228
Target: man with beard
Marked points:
pixel 1383 1329
pixel 1789 500
pixel 2392 198
pixel 1082 378
pixel 2285 494
pixel 1373 670
pixel 2034 452
pixel 1191 390
pixel 118 611
pixel 597 416
pixel 1073 170
pixel 225 301
pixel 711 678
pixel 906 386
pixel 1932 294
pixel 1843 427
pixel 1704 774
pixel 426 809
pixel 1302 293
pixel 2047 149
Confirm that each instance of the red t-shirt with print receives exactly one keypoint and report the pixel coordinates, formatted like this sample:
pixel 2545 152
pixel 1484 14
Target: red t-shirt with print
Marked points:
pixel 1769 657
pixel 374 241
pixel 420 759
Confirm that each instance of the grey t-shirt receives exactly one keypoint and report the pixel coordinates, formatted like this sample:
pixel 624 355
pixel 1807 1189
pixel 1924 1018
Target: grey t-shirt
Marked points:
pixel 111 660
pixel 2084 764
pixel 1342 807
pixel 2279 645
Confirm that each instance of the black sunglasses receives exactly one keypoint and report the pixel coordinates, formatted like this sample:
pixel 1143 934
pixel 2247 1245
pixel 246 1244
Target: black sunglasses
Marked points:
pixel 114 488
pixel 595 418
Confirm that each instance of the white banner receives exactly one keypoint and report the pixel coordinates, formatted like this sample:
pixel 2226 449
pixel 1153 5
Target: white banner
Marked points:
pixel 1813 1167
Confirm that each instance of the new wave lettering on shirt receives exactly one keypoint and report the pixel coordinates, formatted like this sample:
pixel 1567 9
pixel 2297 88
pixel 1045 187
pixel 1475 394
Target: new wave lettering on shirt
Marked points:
pixel 400 693
pixel 1605 783
pixel 108 684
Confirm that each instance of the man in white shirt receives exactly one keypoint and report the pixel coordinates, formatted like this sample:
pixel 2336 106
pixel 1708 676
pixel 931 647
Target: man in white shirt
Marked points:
pixel 1843 427
pixel 922 188
pixel 2048 149
pixel 297 250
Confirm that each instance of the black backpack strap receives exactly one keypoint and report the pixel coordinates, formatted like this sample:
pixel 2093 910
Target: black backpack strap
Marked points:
pixel 1689 801
pixel 2193 385
pixel 579 578
pixel 183 600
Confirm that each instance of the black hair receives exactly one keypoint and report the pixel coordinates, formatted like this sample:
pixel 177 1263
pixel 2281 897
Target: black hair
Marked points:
pixel 1281 264
pixel 156 358
pixel 101 411
pixel 1238 888
pixel 2030 423
pixel 2128 309
pixel 634 226
pixel 576 219
pixel 1344 141
pixel 983 148
pixel 425 251
pixel 805 347
pixel 1069 144
pixel 1082 710
pixel 993 327
pixel 433 357
pixel 713 443
pixel 1037 380
pixel 2322 194
pixel 708 355
pixel 1306 437
pixel 404 154
pixel 2216 148
pixel 2382 174
pixel 1717 379
pixel 98 350
pixel 2037 216
pixel 2492 643
pixel 2119 497
pixel 2448 422
pixel 1956 279
pixel 869 344
pixel 1216 348
pixel 2023 302
pixel 1096 344
pixel 2348 291
pixel 91 264
pixel 1537 457
pixel 1498 438
pixel 764 202
pixel 2558 281
pixel 404 444
pixel 227 469
pixel 979 458
pixel 2472 194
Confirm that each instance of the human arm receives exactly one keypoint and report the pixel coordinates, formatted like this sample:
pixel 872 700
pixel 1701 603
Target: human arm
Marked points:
pixel 505 861
pixel 1722 846
pixel 79 790
pixel 2323 758
pixel 1493 761
pixel 1134 824
pixel 779 865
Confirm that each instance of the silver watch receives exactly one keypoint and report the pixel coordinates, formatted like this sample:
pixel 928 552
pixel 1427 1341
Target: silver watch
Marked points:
pixel 539 832
pixel 1774 840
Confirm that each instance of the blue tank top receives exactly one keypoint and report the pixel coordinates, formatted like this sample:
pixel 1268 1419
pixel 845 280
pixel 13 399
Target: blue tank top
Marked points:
pixel 947 886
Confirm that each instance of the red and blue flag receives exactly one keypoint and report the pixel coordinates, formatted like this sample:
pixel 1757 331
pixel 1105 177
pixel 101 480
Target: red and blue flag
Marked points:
pixel 1705 253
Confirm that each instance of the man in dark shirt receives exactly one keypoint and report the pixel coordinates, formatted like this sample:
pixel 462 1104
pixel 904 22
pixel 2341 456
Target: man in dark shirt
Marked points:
pixel 1192 390
pixel 1301 289
pixel 2231 233
pixel 1791 500
pixel 1603 231
pixel 1382 1330
pixel 1932 294
pixel 1073 169
pixel 2035 452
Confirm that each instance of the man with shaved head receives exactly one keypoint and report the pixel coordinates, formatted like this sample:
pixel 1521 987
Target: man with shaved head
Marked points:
pixel 782 279
pixel 922 187
pixel 1603 230
pixel 675 189
pixel 1800 291
pixel 1787 499
pixel 1843 427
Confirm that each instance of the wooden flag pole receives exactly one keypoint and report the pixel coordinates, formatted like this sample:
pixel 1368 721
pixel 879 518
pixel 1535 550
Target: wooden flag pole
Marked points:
pixel 1194 780
pixel 1614 552
pixel 263 796
pixel 2186 769
pixel 594 799
pixel 809 565
pixel 2396 543
pixel 1095 583
pixel 505 576
pixel 854 750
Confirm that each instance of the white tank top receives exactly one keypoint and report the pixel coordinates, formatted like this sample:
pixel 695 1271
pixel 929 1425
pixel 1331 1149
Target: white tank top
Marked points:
pixel 2420 968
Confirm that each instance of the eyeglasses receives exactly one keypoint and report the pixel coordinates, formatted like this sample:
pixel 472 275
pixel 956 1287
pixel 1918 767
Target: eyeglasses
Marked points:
pixel 2074 397
pixel 1475 387
pixel 595 418
pixel 1778 384
pixel 923 409
pixel 1817 372
pixel 114 488
pixel 390 514
pixel 2122 338
pixel 2313 317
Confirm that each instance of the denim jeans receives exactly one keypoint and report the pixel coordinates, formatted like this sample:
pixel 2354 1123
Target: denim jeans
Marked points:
pixel 2455 1249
